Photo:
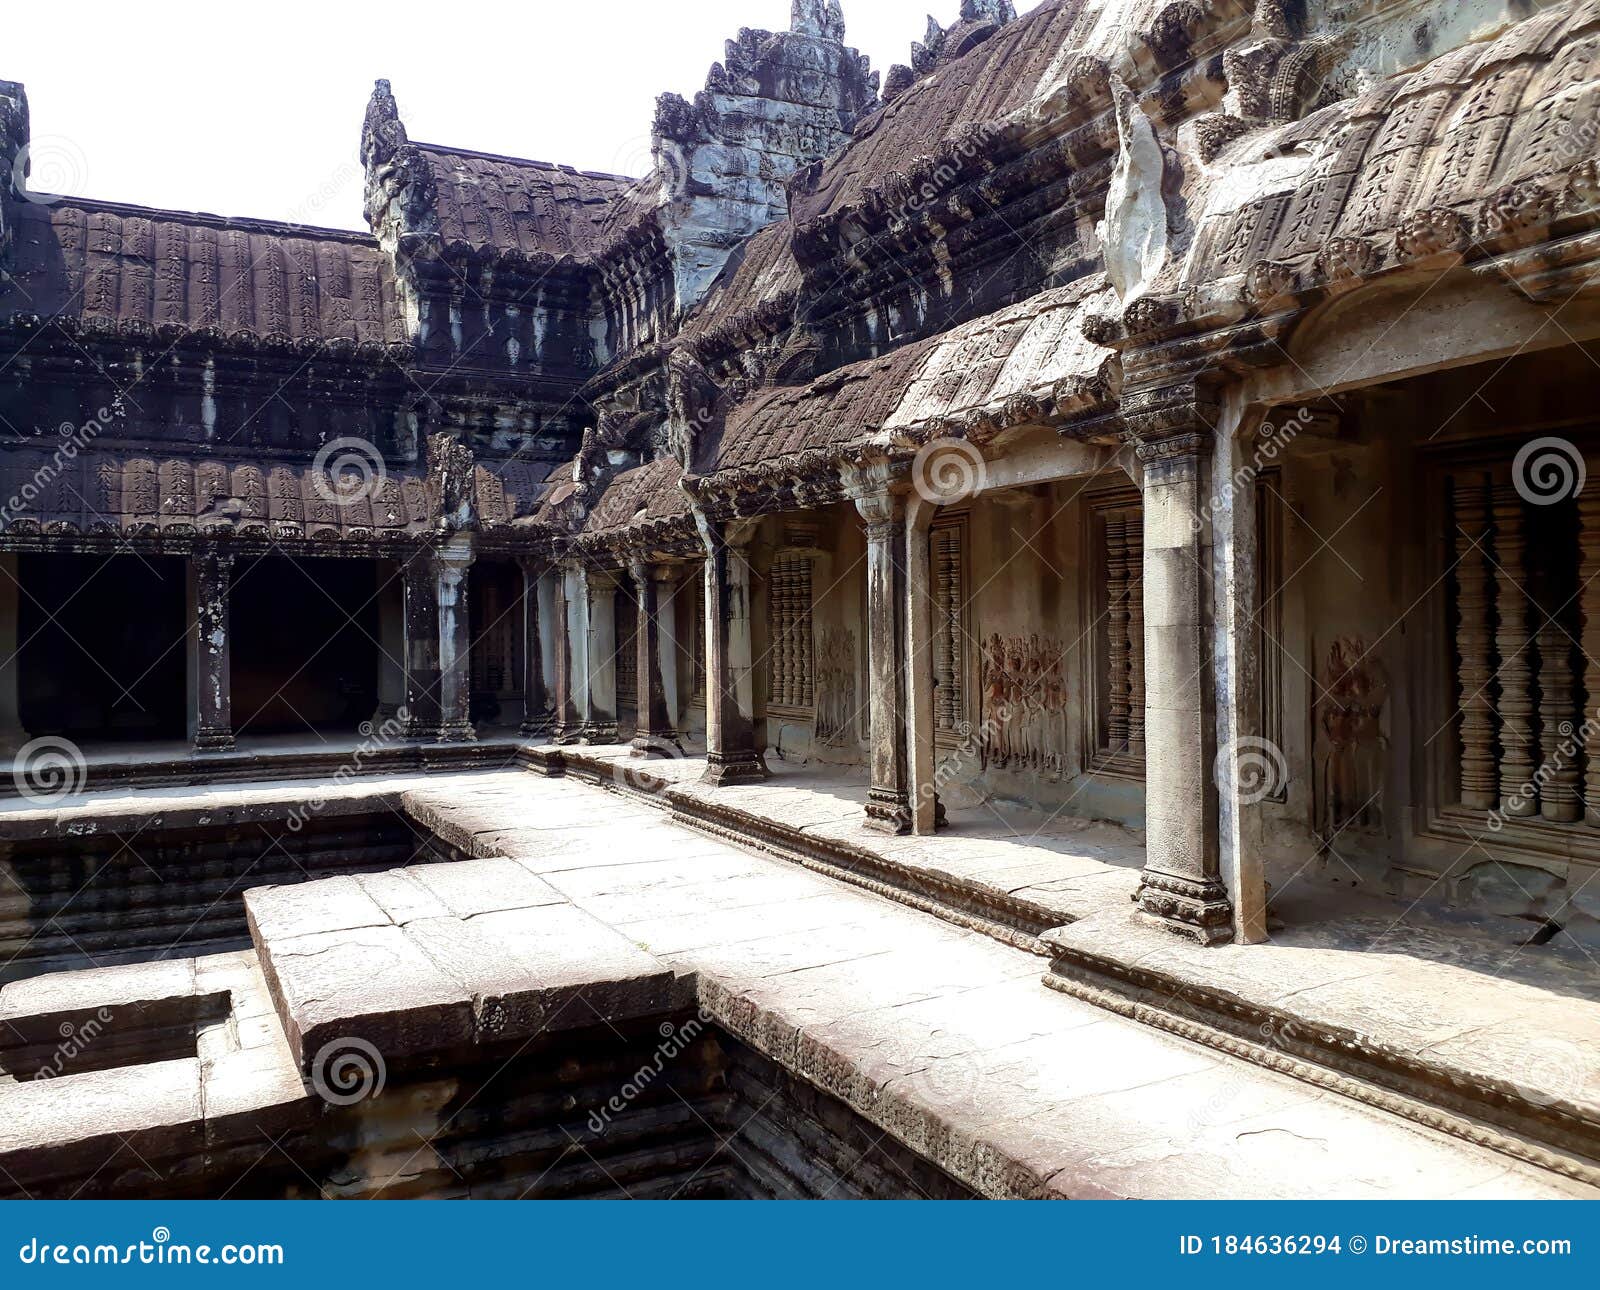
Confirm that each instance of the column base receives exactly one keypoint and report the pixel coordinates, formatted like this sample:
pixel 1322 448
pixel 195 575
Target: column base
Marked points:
pixel 662 747
pixel 538 727
pixel 888 812
pixel 723 769
pixel 214 741
pixel 599 733
pixel 457 732
pixel 1196 911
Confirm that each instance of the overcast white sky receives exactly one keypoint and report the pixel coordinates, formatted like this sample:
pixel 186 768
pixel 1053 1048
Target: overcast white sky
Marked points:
pixel 255 109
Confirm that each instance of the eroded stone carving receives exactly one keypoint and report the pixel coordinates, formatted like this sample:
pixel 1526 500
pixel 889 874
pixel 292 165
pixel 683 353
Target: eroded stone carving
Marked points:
pixel 1134 230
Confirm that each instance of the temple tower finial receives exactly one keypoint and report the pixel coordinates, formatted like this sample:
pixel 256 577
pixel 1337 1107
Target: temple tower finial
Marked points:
pixel 820 18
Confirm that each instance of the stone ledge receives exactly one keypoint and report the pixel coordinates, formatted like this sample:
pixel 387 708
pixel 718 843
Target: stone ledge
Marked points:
pixel 968 905
pixel 427 963
pixel 1354 1035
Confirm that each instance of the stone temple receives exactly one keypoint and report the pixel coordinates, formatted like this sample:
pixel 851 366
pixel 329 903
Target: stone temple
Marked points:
pixel 1024 626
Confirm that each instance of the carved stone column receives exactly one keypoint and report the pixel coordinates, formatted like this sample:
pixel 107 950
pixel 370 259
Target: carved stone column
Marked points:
pixel 420 601
pixel 1182 886
pixel 12 735
pixel 732 755
pixel 655 736
pixel 599 679
pixel 535 694
pixel 921 756
pixel 572 647
pixel 391 644
pixel 210 652
pixel 889 799
pixel 452 565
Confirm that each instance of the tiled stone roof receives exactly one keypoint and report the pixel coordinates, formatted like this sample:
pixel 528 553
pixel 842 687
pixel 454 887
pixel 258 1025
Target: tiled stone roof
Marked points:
pixel 1028 349
pixel 532 207
pixel 153 495
pixel 1430 160
pixel 129 270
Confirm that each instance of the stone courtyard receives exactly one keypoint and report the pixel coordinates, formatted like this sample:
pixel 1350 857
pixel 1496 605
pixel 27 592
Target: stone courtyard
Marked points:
pixel 1022 626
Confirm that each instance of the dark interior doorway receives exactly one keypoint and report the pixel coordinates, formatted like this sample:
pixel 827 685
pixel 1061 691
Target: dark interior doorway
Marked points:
pixel 103 646
pixel 305 645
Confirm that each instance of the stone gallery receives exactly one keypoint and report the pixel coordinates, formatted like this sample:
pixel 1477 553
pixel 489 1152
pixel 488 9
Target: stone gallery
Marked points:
pixel 1024 626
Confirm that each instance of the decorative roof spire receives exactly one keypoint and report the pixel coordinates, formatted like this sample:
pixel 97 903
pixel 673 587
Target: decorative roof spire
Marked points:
pixel 823 19
pixel 999 12
pixel 383 133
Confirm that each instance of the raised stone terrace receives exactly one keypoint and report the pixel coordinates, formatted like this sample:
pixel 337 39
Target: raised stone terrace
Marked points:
pixel 576 993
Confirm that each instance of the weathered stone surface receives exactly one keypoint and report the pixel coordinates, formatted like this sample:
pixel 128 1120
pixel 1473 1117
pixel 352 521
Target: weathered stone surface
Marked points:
pixel 372 984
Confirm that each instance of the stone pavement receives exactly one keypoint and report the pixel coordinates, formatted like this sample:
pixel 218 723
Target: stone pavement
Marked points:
pixel 1010 871
pixel 943 1037
pixel 934 1033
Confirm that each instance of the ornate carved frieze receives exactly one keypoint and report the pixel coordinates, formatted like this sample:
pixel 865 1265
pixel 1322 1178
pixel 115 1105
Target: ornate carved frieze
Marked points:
pixel 1025 704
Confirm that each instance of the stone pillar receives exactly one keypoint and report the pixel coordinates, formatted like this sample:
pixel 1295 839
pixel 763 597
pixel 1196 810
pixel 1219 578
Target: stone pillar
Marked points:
pixel 921 760
pixel 391 644
pixel 535 695
pixel 1182 885
pixel 210 650
pixel 732 755
pixel 600 711
pixel 572 647
pixel 655 736
pixel 676 628
pixel 889 799
pixel 420 607
pixel 12 735
pixel 452 566
pixel 1237 559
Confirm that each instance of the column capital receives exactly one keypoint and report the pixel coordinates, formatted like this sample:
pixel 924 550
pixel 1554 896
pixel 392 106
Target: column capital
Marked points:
pixel 1175 417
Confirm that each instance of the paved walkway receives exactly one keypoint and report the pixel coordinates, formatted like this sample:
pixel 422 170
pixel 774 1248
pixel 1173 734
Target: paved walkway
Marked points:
pixel 944 1037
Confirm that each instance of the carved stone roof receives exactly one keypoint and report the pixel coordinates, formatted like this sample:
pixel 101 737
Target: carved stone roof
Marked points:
pixel 992 79
pixel 532 207
pixel 643 495
pixel 148 496
pixel 1034 351
pixel 1451 155
pixel 511 492
pixel 763 272
pixel 129 270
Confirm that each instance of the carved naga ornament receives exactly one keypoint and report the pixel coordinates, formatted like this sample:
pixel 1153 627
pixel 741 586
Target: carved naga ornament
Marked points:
pixel 1134 231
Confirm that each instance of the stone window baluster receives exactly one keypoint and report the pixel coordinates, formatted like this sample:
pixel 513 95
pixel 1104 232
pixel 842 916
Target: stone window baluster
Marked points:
pixel 1117 636
pixel 1135 562
pixel 1474 641
pixel 1514 642
pixel 1589 600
